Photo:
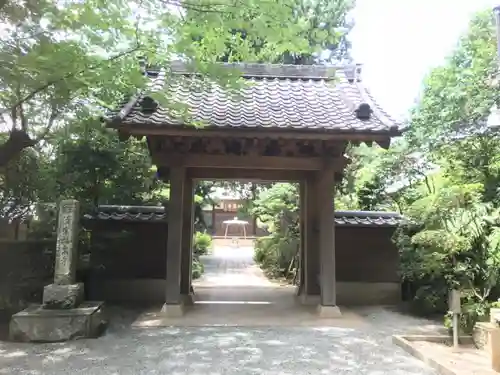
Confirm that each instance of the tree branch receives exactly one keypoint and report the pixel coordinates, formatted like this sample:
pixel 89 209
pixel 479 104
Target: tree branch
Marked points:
pixel 3 3
pixel 52 118
pixel 209 8
pixel 66 76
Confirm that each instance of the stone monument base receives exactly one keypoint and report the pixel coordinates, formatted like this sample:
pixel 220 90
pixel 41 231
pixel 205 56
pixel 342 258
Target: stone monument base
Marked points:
pixel 36 324
pixel 68 296
pixel 329 312
pixel 173 311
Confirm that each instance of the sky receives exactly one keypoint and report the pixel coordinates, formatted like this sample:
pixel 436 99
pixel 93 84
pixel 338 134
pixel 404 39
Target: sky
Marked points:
pixel 399 41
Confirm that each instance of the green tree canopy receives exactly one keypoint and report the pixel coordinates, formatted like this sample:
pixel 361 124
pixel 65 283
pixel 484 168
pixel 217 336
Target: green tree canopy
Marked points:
pixel 321 24
pixel 458 95
pixel 59 57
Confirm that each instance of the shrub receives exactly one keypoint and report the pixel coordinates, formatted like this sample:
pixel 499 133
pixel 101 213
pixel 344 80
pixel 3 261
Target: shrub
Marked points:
pixel 275 253
pixel 197 269
pixel 277 207
pixel 202 242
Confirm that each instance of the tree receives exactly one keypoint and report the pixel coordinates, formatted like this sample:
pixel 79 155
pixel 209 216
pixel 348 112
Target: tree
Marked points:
pixel 20 184
pixel 457 96
pixel 59 57
pixel 323 26
pixel 95 167
pixel 452 239
pixel 379 179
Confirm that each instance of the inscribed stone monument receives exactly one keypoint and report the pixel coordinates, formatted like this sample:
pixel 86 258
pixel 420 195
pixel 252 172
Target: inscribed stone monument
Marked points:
pixel 63 314
pixel 65 293
pixel 67 242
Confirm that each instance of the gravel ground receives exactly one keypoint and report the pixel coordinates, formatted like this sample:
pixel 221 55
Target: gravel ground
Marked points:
pixel 223 350
pixel 226 350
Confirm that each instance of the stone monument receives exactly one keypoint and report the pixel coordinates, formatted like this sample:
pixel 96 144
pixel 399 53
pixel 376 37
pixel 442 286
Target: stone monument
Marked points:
pixel 63 314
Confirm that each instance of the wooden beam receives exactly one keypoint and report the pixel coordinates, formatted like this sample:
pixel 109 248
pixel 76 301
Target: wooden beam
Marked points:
pixel 254 133
pixel 245 174
pixel 247 162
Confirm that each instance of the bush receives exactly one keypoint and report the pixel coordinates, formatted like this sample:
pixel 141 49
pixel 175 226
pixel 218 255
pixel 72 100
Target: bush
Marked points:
pixel 197 269
pixel 277 207
pixel 202 242
pixel 275 253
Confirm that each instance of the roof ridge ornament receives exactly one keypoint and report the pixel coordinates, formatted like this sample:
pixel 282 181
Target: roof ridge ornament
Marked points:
pixel 353 72
pixel 364 111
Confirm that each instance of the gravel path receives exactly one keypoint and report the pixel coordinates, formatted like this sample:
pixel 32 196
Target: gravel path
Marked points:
pixel 215 350
pixel 367 350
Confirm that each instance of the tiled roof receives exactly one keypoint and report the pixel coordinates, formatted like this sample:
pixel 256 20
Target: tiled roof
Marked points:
pixel 368 218
pixel 157 213
pixel 293 97
pixel 129 213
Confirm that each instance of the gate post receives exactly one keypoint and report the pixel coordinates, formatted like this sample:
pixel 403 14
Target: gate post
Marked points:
pixel 173 302
pixel 328 302
pixel 187 240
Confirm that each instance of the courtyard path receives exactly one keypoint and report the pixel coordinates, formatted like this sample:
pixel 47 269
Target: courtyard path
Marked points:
pixel 248 349
pixel 232 266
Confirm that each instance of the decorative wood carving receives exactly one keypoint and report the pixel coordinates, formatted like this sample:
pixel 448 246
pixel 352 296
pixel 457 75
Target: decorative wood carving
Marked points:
pixel 249 147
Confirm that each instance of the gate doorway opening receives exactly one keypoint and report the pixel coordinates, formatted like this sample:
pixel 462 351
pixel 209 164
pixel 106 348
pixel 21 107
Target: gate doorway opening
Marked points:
pixel 232 282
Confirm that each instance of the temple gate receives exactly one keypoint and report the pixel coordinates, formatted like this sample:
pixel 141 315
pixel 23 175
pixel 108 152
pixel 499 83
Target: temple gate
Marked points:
pixel 287 123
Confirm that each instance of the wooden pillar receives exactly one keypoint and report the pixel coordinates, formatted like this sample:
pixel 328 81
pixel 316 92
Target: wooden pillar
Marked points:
pixel 214 228
pixel 173 301
pixel 302 228
pixel 312 240
pixel 328 294
pixel 187 240
pixel 309 293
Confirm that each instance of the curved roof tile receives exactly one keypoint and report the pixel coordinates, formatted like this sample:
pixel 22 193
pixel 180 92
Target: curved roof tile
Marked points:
pixel 314 97
pixel 158 214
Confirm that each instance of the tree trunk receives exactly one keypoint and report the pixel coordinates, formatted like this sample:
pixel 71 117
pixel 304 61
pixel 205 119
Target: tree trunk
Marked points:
pixel 18 140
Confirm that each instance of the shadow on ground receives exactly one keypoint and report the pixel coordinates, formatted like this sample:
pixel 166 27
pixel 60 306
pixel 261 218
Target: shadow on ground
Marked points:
pixel 215 350
pixel 277 342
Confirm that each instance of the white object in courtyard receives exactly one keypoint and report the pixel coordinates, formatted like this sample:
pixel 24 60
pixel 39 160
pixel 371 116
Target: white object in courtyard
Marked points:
pixel 494 117
pixel 235 222
pixel 454 302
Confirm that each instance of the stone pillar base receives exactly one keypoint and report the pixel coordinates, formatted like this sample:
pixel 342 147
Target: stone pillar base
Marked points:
pixel 56 296
pixel 308 299
pixel 329 312
pixel 37 324
pixel 188 299
pixel 173 311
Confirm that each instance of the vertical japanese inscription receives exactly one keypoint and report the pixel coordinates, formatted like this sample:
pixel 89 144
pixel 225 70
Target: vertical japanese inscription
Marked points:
pixel 67 242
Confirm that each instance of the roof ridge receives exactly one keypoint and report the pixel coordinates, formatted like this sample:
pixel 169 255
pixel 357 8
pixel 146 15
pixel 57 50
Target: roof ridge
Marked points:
pixel 375 214
pixel 263 70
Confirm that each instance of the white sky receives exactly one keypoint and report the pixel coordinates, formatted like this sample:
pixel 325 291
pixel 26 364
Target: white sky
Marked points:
pixel 399 41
